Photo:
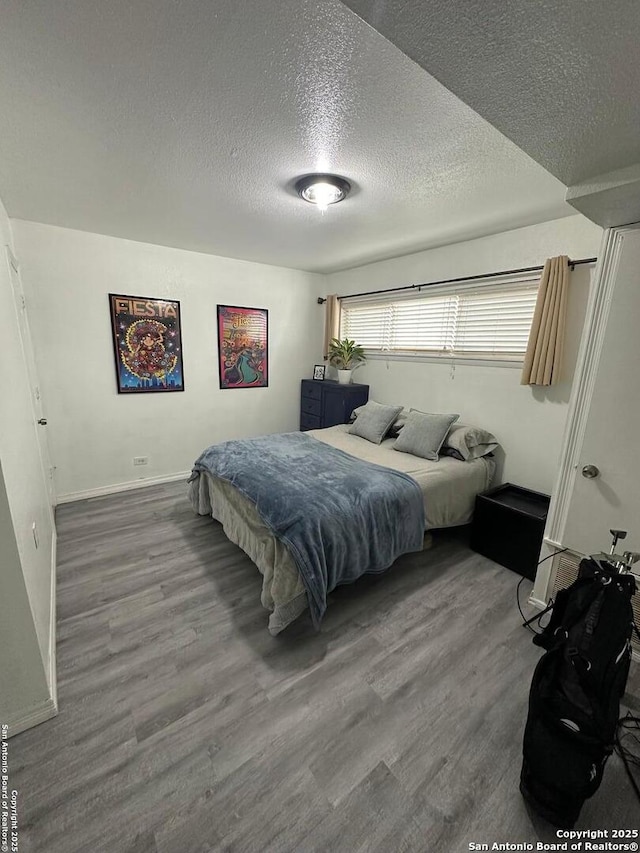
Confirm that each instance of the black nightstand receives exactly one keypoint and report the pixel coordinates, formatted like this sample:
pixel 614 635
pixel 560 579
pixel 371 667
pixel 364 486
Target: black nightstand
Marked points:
pixel 327 403
pixel 508 526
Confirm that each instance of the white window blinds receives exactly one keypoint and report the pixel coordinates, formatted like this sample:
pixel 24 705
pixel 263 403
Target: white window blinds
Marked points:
pixel 490 321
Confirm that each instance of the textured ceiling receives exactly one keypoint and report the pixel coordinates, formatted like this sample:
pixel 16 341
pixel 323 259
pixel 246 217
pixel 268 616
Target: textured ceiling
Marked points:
pixel 185 124
pixel 560 79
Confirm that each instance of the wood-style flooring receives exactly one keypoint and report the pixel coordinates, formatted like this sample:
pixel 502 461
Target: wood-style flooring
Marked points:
pixel 184 726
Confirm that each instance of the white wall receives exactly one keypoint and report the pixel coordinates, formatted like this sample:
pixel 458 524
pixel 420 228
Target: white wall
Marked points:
pixel 529 422
pixel 94 431
pixel 26 653
pixel 22 670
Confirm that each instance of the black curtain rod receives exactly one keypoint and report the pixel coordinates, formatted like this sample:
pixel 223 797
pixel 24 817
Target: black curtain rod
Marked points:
pixel 572 264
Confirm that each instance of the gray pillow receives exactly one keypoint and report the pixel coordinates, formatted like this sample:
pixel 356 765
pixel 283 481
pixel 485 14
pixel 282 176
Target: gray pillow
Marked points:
pixel 423 434
pixel 373 421
pixel 355 413
pixel 470 442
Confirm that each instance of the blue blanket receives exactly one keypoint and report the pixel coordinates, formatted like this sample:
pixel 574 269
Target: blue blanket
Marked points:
pixel 340 517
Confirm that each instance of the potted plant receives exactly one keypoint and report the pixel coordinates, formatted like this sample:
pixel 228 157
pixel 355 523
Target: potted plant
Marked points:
pixel 346 355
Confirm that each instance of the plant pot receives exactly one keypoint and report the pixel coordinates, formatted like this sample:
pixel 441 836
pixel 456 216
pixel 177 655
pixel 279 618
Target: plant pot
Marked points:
pixel 344 377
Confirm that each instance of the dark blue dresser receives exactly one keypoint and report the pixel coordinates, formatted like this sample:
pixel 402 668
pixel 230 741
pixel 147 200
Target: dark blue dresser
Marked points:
pixel 327 403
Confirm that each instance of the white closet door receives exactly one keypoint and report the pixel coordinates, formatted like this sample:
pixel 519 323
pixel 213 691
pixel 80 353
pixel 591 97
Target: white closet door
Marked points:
pixel 611 440
pixel 39 415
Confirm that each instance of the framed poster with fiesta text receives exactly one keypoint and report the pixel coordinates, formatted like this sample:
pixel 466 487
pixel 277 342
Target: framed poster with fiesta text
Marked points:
pixel 147 342
pixel 243 347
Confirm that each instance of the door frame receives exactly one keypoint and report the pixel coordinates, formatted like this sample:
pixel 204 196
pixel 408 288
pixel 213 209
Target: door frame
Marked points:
pixel 591 344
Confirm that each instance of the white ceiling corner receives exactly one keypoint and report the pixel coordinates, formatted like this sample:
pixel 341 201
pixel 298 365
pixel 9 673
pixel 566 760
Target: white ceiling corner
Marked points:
pixel 559 79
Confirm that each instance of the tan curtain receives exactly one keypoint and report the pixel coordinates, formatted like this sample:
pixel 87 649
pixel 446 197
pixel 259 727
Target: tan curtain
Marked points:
pixel 331 322
pixel 543 359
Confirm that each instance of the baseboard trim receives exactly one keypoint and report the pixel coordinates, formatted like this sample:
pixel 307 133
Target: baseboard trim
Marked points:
pixel 122 487
pixel 27 720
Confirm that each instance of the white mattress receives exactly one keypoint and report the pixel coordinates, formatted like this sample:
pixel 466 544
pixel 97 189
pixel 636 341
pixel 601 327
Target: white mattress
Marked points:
pixel 449 486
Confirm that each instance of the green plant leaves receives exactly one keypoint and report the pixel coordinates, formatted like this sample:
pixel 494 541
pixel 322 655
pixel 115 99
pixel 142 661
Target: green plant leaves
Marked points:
pixel 345 354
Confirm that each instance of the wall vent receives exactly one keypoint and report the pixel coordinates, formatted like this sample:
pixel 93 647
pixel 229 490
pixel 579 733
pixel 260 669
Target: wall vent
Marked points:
pixel 565 571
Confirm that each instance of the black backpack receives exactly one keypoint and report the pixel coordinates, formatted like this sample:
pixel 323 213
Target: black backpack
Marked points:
pixel 574 701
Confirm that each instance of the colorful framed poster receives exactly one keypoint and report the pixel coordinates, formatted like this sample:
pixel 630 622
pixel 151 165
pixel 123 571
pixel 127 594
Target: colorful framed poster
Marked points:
pixel 243 347
pixel 147 342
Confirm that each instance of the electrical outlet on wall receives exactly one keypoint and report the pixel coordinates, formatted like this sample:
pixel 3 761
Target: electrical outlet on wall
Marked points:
pixel 140 460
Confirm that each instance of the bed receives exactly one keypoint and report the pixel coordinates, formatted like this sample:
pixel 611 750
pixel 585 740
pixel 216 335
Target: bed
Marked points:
pixel 447 491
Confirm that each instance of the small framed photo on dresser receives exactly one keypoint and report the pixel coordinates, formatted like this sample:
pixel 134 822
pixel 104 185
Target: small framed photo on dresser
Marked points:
pixel 319 371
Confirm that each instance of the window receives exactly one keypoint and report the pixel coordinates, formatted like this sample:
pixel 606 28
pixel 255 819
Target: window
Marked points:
pixel 490 321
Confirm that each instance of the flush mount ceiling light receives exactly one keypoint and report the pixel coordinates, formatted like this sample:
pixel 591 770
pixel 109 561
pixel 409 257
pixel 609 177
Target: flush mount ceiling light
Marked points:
pixel 322 189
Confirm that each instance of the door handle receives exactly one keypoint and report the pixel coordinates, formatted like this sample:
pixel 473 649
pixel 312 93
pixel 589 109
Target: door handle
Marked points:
pixel 42 421
pixel 590 472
